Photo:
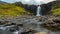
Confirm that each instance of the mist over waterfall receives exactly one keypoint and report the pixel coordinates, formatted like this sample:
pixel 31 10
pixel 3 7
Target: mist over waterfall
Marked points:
pixel 38 12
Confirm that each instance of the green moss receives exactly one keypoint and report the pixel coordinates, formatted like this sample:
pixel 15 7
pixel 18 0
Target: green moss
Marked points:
pixel 56 11
pixel 12 10
pixel 56 8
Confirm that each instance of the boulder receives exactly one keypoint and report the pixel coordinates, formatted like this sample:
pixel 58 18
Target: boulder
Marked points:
pixel 57 21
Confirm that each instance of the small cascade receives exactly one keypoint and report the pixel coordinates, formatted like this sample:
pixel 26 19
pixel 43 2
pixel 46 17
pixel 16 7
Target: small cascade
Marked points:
pixel 2 27
pixel 5 27
pixel 16 32
pixel 38 11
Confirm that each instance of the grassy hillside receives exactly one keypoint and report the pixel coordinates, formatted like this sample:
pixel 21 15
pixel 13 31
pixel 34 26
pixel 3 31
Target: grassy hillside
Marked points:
pixel 56 8
pixel 11 10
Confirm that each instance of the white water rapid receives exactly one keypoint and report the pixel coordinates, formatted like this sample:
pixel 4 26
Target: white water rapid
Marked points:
pixel 16 32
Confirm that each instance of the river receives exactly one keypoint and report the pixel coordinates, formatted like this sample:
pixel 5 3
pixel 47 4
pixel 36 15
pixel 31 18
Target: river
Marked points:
pixel 29 23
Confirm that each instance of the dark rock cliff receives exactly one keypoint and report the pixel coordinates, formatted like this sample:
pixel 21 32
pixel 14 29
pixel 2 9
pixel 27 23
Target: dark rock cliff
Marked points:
pixel 45 8
pixel 30 8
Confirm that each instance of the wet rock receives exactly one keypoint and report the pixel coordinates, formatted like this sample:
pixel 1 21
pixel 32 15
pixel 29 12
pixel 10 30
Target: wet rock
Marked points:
pixel 4 22
pixel 15 28
pixel 52 23
pixel 21 25
pixel 56 20
pixel 1 23
pixel 13 23
pixel 28 32
pixel 12 29
pixel 9 24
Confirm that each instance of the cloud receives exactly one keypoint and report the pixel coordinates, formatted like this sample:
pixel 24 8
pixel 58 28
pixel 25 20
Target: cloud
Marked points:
pixel 9 1
pixel 30 1
pixel 36 1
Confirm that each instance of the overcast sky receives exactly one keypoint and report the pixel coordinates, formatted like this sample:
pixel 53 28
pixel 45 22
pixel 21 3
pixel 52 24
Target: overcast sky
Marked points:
pixel 30 1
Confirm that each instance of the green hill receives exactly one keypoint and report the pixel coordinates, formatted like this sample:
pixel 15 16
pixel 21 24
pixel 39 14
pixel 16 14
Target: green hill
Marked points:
pixel 56 8
pixel 11 10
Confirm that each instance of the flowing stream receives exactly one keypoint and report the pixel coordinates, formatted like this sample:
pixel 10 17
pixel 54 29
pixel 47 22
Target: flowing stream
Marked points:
pixel 28 23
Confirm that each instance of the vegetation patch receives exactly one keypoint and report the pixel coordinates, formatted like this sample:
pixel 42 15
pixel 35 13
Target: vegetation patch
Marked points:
pixel 55 10
pixel 12 10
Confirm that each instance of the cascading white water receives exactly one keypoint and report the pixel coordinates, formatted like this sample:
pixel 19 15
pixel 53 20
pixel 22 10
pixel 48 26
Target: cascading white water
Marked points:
pixel 38 11
pixel 1 27
pixel 6 27
pixel 16 32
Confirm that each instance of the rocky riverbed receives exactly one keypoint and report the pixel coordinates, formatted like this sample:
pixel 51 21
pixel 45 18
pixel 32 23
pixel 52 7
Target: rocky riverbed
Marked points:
pixel 53 23
pixel 26 25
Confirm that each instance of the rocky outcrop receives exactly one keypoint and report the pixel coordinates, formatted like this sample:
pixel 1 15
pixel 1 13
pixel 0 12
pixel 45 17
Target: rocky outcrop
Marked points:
pixel 45 8
pixel 30 8
pixel 52 23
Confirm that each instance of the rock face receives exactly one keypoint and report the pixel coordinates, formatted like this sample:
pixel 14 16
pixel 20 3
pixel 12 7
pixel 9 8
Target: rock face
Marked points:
pixel 45 8
pixel 30 8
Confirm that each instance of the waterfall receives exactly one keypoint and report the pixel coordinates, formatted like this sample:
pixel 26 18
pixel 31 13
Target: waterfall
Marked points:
pixel 38 11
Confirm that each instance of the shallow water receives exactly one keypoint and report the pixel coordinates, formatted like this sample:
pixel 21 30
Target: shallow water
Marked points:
pixel 28 23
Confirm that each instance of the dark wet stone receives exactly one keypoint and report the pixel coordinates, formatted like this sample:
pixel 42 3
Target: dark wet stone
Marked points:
pixel 15 28
pixel 28 32
pixel 12 29
pixel 7 24
pixel 56 21
pixel 13 23
pixel 1 23
pixel 20 25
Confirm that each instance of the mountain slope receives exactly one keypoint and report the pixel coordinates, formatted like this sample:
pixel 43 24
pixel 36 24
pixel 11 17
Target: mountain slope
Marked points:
pixel 30 8
pixel 1 2
pixel 56 8
pixel 12 10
